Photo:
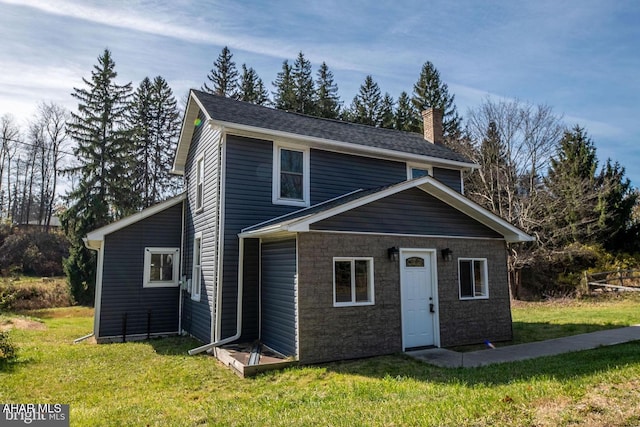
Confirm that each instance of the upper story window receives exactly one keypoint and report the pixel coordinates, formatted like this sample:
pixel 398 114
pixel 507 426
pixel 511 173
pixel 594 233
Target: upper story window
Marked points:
pixel 474 282
pixel 161 267
pixel 418 171
pixel 199 183
pixel 290 175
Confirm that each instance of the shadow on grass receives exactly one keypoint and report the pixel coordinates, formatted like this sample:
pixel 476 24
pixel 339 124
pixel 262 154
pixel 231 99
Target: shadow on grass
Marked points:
pixel 561 367
pixel 173 346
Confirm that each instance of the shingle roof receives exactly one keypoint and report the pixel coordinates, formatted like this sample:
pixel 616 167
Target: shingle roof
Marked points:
pixel 244 113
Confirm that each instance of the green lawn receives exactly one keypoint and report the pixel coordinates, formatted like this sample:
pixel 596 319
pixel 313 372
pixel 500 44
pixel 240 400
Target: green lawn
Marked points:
pixel 156 383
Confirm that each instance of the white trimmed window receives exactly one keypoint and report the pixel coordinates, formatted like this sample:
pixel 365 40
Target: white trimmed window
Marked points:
pixel 473 278
pixel 290 175
pixel 161 267
pixel 353 281
pixel 199 183
pixel 418 171
pixel 196 277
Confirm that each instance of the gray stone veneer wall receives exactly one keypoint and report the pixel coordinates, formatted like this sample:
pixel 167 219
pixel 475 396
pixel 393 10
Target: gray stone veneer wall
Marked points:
pixel 329 333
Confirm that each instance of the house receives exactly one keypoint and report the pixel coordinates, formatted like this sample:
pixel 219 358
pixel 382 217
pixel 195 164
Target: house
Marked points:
pixel 326 240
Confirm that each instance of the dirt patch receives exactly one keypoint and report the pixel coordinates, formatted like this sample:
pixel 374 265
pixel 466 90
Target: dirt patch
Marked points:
pixel 21 323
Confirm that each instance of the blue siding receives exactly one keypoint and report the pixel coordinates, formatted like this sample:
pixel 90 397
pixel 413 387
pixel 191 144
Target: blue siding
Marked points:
pixel 409 212
pixel 197 314
pixel 279 296
pixel 335 174
pixel 251 290
pixel 122 291
pixel 449 177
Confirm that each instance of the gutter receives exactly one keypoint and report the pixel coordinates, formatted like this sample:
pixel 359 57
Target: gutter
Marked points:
pixel 238 310
pixel 180 289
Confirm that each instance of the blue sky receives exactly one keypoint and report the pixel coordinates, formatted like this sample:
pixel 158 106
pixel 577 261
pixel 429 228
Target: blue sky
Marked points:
pixel 580 57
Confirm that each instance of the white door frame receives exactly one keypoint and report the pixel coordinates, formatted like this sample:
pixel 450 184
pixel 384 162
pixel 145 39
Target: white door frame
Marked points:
pixel 434 290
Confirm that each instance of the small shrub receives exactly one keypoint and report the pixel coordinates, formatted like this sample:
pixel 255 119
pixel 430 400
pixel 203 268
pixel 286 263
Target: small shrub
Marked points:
pixel 8 351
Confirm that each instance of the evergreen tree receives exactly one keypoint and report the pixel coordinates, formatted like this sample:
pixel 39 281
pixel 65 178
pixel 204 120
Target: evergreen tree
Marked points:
pixel 327 99
pixel 104 161
pixel 617 200
pixel 156 124
pixel 284 97
pixel 251 87
pixel 387 116
pixel 367 104
pixel 303 85
pixel 430 92
pixel 406 117
pixel 571 182
pixel 223 77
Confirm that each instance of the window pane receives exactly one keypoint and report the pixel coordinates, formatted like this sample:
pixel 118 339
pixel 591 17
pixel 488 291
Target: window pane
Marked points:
pixel 478 272
pixel 291 186
pixel 343 281
pixel 415 262
pixel 418 173
pixel 156 268
pixel 167 267
pixel 362 280
pixel 291 161
pixel 466 284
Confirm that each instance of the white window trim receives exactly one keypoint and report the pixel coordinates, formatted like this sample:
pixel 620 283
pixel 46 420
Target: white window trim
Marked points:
pixel 485 278
pixel 371 289
pixel 200 182
pixel 146 281
pixel 196 271
pixel 276 199
pixel 411 166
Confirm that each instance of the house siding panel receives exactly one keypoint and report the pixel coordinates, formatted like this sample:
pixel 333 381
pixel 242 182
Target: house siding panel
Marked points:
pixel 335 174
pixel 197 315
pixel 409 212
pixel 278 266
pixel 122 287
pixel 251 290
pixel 449 177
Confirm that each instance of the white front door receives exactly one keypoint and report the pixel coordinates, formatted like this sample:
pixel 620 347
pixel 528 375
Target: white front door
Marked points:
pixel 419 298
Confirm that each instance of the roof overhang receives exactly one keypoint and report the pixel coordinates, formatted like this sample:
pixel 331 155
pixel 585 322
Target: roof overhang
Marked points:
pixel 194 106
pixel 95 239
pixel 427 184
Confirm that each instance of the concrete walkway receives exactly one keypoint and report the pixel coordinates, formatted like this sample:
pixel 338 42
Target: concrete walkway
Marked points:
pixel 451 359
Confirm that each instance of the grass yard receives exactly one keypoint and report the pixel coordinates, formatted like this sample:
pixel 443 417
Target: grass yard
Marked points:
pixel 156 383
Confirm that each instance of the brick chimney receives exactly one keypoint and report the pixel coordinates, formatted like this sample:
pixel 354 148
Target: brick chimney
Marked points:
pixel 432 119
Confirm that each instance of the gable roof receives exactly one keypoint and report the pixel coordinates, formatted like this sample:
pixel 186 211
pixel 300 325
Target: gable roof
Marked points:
pixel 301 220
pixel 241 116
pixel 94 238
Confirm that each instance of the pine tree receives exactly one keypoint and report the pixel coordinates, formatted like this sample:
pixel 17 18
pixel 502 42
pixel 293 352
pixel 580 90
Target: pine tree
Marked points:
pixel 284 97
pixel 104 161
pixel 156 124
pixel 387 117
pixel 251 87
pixel 405 115
pixel 327 99
pixel 571 182
pixel 223 77
pixel 366 105
pixel 430 92
pixel 616 203
pixel 303 85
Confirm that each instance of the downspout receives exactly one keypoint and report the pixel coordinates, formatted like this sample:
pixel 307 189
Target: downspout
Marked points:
pixel 180 290
pixel 238 310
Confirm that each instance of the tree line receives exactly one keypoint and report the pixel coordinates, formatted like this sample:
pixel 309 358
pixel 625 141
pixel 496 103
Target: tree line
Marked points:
pixel 533 171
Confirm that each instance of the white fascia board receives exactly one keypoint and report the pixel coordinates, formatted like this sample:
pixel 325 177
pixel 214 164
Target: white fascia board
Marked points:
pixel 511 233
pixel 186 133
pixel 95 236
pixel 246 130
